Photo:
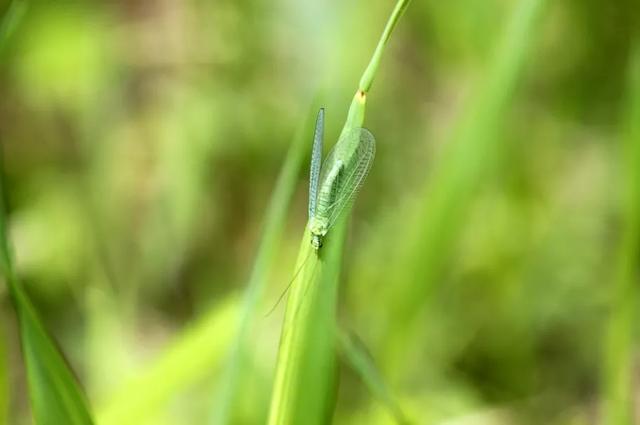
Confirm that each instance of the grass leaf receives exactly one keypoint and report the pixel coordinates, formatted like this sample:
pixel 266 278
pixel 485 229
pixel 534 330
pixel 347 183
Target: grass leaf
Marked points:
pixel 618 385
pixel 359 359
pixel 4 379
pixel 463 165
pixel 10 21
pixel 199 351
pixel 56 397
pixel 305 386
pixel 228 326
pixel 273 227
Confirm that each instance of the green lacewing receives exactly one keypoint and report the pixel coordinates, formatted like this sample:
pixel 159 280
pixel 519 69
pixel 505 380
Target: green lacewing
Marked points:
pixel 335 182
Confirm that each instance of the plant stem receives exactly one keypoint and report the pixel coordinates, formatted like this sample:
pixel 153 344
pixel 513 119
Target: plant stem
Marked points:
pixel 618 385
pixel 273 226
pixel 10 21
pixel 374 63
pixel 305 383
pixel 476 143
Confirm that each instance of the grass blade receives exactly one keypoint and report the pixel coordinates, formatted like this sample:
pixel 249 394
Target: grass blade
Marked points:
pixel 463 165
pixel 10 21
pixel 4 379
pixel 56 397
pixel 273 227
pixel 358 358
pixel 228 326
pixel 305 374
pixel 305 383
pixel 6 26
pixel 198 352
pixel 367 78
pixel 618 386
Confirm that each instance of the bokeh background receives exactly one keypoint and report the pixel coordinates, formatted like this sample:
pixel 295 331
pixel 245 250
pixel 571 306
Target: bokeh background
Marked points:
pixel 141 142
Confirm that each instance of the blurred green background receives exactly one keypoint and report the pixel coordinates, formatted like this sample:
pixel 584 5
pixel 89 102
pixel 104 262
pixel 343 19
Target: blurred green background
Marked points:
pixel 141 142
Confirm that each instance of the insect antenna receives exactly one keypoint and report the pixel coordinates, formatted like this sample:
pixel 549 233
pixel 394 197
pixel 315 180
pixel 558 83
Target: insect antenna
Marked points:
pixel 316 162
pixel 313 272
pixel 293 279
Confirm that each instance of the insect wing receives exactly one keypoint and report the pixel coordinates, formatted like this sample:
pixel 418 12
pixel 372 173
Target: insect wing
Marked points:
pixel 316 159
pixel 357 167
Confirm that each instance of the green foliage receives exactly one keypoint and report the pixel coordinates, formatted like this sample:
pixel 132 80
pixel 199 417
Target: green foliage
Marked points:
pixel 619 386
pixel 199 351
pixel 273 227
pixel 488 264
pixel 55 395
pixel 360 360
pixel 10 20
pixel 463 165
pixel 4 381
pixel 305 386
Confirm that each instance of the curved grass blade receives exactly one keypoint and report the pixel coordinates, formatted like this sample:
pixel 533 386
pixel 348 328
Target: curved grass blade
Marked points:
pixel 452 185
pixel 273 229
pixel 10 21
pixel 316 159
pixel 305 380
pixel 357 356
pixel 7 26
pixel 56 397
pixel 4 379
pixel 196 353
pixel 618 382
pixel 305 385
pixel 219 336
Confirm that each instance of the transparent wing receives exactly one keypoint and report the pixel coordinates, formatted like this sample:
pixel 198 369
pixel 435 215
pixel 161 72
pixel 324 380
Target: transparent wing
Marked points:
pixel 356 168
pixel 316 159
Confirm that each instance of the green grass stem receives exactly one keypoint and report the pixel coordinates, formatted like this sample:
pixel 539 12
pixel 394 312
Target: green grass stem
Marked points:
pixel 623 317
pixel 305 386
pixel 55 394
pixel 10 21
pixel 4 379
pixel 361 362
pixel 56 397
pixel 220 338
pixel 463 165
pixel 199 352
pixel 273 227
pixel 367 78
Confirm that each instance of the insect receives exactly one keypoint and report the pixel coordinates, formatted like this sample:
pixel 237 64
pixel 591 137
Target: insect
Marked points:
pixel 335 182
pixel 333 185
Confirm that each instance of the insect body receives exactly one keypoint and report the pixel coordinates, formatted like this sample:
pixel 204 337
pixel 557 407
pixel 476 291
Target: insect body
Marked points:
pixel 334 185
pixel 319 224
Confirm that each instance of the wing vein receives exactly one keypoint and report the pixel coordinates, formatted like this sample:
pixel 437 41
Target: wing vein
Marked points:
pixel 316 159
pixel 358 168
